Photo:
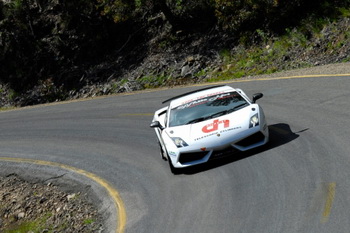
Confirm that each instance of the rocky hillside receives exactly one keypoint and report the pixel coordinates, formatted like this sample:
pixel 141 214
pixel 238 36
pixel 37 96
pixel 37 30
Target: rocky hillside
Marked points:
pixel 68 64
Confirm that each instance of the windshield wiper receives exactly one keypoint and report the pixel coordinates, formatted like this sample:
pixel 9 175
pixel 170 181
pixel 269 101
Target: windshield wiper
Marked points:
pixel 217 114
pixel 197 120
pixel 220 113
pixel 238 106
pixel 227 111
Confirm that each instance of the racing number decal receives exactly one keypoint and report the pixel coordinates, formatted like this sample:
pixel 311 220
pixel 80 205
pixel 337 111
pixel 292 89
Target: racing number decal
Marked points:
pixel 215 126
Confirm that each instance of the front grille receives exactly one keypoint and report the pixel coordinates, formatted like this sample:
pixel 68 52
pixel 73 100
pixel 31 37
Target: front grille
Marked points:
pixel 189 157
pixel 223 153
pixel 252 139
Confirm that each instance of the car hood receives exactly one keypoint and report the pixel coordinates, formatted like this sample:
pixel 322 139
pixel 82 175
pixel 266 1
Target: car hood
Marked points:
pixel 215 130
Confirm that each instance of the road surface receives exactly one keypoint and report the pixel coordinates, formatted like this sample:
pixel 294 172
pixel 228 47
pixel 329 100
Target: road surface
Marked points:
pixel 298 183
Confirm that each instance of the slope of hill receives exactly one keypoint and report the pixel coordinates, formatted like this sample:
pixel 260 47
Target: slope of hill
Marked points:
pixel 77 52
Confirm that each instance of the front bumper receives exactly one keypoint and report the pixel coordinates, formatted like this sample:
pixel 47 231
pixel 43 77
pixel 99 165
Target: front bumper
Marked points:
pixel 183 159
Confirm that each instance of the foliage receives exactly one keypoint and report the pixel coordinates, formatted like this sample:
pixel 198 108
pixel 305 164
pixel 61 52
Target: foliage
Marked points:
pixel 178 12
pixel 52 39
pixel 39 39
pixel 153 81
pixel 89 221
pixel 120 10
pixel 261 58
pixel 37 225
pixel 41 225
pixel 241 15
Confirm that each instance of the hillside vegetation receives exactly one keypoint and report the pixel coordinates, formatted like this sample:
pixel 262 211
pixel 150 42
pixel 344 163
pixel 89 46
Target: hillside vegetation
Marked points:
pixel 54 50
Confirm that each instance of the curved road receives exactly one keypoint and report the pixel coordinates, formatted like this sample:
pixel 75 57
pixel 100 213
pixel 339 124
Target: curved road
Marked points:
pixel 298 183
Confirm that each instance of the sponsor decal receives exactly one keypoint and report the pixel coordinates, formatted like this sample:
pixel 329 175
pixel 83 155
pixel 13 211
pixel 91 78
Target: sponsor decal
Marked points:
pixel 217 133
pixel 205 136
pixel 203 96
pixel 227 130
pixel 205 99
pixel 193 103
pixel 215 125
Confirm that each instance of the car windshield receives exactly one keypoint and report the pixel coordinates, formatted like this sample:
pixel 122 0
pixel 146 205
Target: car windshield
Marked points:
pixel 206 108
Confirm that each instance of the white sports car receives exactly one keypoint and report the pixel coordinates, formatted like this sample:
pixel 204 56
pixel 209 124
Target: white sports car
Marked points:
pixel 209 123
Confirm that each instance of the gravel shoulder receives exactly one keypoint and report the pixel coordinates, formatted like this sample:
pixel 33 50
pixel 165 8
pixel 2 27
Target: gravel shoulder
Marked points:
pixel 37 198
pixel 35 207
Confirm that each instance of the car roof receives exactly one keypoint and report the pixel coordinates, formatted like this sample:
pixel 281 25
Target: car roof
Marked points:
pixel 198 94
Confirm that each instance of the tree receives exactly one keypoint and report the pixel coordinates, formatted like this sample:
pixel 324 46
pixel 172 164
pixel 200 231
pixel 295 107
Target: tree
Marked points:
pixel 40 38
pixel 182 15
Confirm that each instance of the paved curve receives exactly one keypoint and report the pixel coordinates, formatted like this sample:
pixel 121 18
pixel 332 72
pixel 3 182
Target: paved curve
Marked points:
pixel 299 183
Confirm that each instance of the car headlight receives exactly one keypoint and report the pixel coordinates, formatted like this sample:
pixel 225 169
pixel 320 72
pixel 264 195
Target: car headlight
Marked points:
pixel 254 121
pixel 179 142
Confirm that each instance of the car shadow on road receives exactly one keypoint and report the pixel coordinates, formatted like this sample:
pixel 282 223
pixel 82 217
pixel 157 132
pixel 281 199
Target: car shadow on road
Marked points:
pixel 280 134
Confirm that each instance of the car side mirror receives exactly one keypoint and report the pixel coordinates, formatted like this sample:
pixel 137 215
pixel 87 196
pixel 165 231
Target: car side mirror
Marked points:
pixel 257 96
pixel 156 124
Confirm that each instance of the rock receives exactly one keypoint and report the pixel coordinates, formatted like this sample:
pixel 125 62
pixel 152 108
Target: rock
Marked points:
pixel 181 60
pixel 20 215
pixel 185 70
pixel 71 196
pixel 77 208
pixel 190 59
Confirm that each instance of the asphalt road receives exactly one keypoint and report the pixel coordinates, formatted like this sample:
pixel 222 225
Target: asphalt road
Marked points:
pixel 298 183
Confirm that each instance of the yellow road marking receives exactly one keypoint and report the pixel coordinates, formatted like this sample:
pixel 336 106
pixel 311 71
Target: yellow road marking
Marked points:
pixel 111 191
pixel 115 195
pixel 182 86
pixel 329 201
pixel 300 76
pixel 268 79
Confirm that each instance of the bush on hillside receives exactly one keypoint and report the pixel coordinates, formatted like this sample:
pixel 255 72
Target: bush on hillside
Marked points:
pixel 40 37
pixel 48 39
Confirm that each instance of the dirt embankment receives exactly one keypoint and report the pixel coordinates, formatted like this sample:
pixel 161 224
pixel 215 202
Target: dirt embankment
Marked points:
pixel 35 207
